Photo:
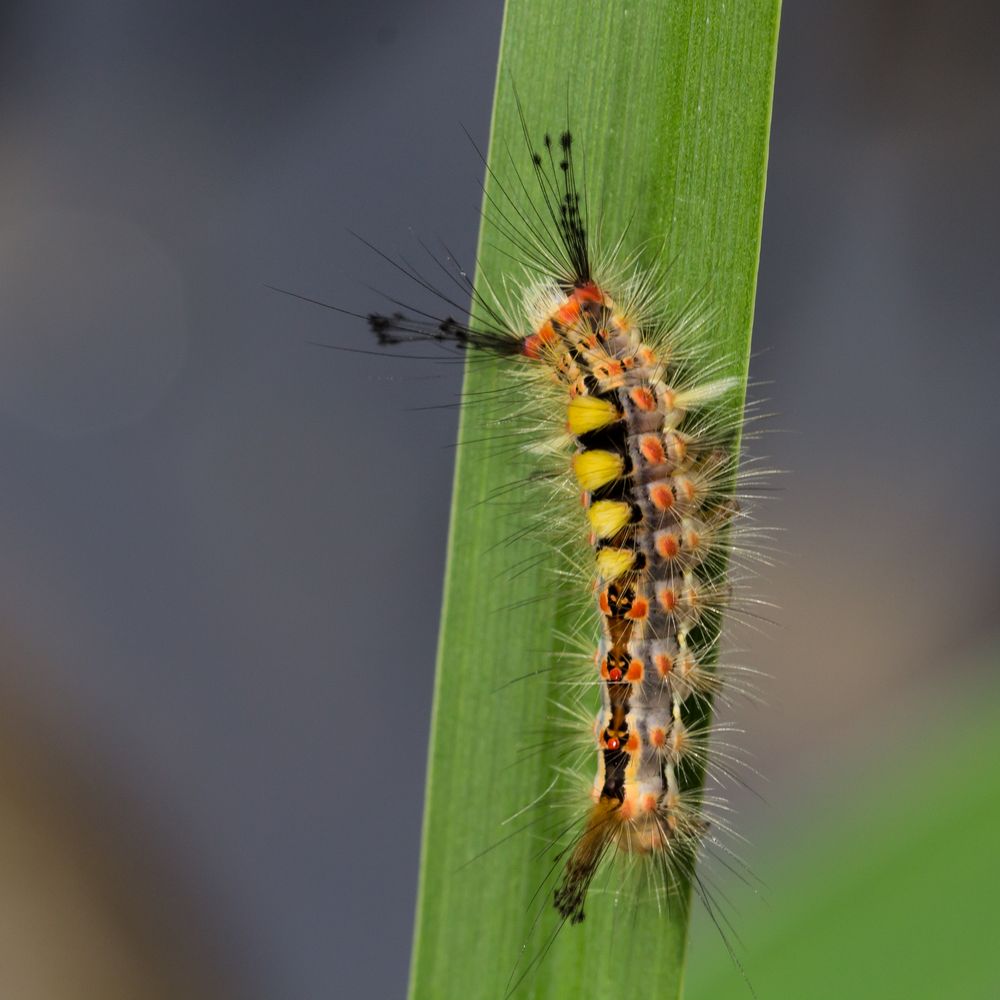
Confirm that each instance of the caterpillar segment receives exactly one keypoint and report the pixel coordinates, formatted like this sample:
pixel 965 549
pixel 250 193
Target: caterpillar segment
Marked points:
pixel 654 519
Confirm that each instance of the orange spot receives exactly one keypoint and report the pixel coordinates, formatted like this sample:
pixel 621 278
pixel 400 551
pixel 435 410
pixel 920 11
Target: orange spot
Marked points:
pixel 532 347
pixel 664 664
pixel 652 449
pixel 658 736
pixel 643 399
pixel 667 544
pixel 635 671
pixel 667 597
pixel 639 609
pixel 662 496
pixel 646 356
pixel 590 342
pixel 602 602
pixel 588 292
pixel 649 802
pixel 547 334
pixel 633 743
pixel 568 313
pixel 692 539
pixel 627 808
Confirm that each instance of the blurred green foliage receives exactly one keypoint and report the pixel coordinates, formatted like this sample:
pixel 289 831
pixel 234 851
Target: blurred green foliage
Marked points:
pixel 889 890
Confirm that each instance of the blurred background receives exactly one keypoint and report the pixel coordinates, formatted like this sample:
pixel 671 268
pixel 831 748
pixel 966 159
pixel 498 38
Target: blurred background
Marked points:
pixel 195 497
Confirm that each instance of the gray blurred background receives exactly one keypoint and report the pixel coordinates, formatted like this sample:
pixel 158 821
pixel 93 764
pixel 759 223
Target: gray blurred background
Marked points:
pixel 195 498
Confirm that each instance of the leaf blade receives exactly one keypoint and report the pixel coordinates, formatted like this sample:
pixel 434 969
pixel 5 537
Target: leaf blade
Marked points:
pixel 680 152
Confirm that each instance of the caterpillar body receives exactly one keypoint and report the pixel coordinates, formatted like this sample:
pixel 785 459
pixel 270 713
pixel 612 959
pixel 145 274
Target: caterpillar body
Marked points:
pixel 637 434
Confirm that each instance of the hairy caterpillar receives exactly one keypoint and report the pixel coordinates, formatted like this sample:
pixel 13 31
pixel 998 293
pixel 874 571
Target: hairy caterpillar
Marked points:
pixel 630 404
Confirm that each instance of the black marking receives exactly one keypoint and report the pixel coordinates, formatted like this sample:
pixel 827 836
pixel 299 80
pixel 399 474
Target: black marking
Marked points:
pixel 620 542
pixel 561 199
pixel 620 602
pixel 616 490
pixel 609 438
pixel 615 762
pixel 399 328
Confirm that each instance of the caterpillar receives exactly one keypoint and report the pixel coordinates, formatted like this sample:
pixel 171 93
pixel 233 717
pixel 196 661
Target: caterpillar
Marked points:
pixel 631 406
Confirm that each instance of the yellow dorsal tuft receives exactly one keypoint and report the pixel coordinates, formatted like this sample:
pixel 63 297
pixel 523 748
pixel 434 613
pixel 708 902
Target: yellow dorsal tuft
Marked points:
pixel 608 517
pixel 588 413
pixel 613 563
pixel 594 469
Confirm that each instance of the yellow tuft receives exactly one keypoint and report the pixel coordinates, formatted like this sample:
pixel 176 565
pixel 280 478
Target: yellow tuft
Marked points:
pixel 608 517
pixel 594 469
pixel 588 413
pixel 612 563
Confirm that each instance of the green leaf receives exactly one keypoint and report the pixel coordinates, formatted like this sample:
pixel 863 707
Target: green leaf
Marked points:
pixel 669 104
